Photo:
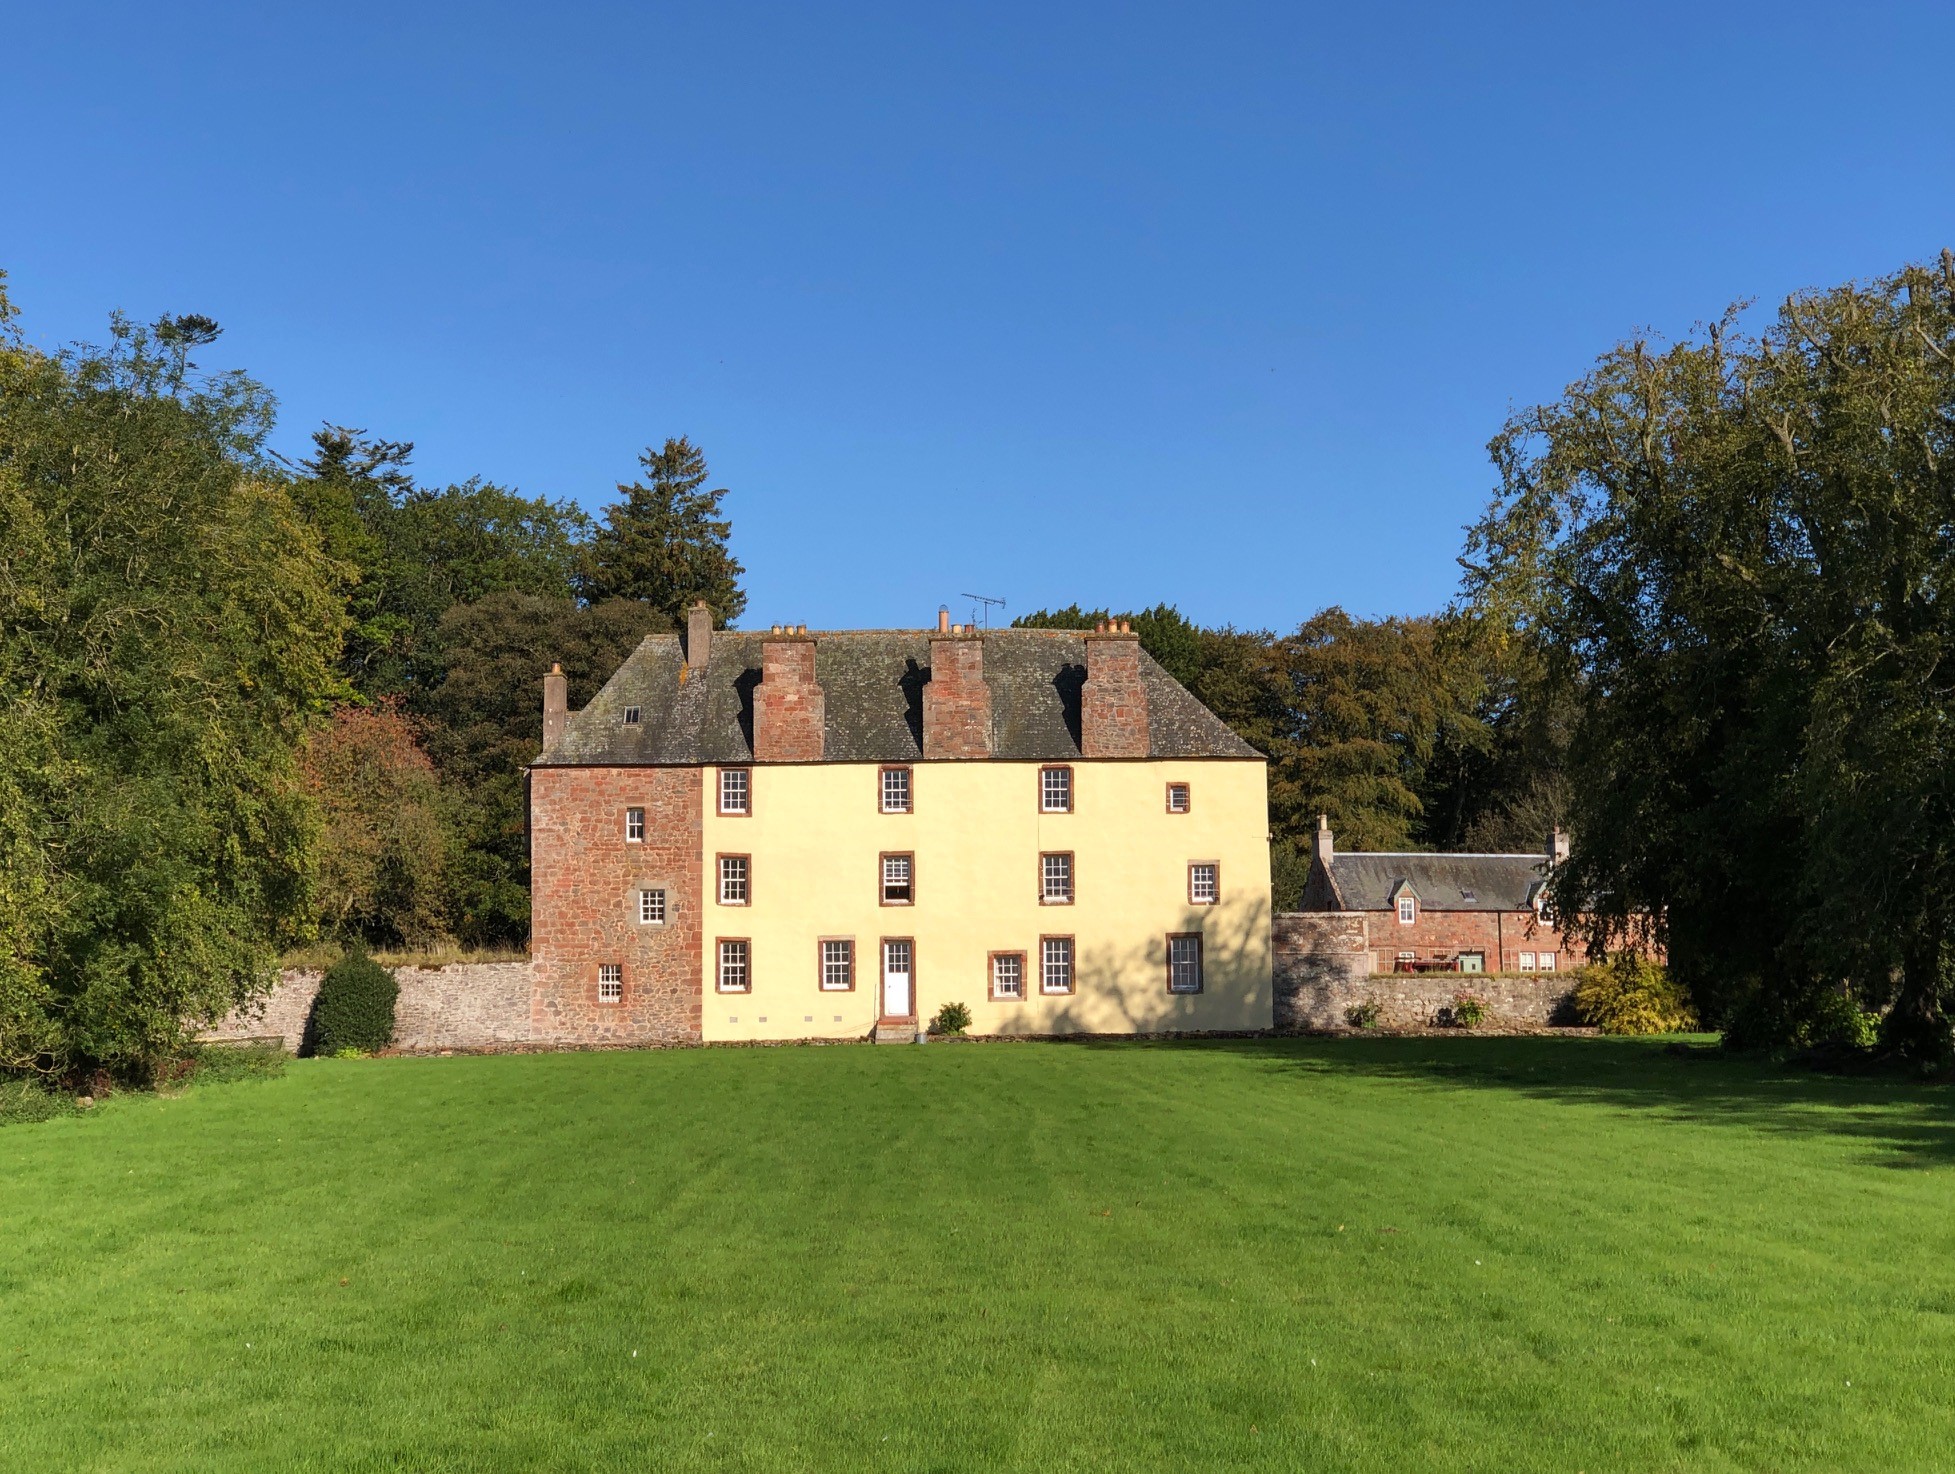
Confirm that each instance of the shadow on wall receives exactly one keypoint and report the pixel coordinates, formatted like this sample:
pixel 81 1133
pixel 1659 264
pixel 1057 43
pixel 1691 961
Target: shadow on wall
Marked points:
pixel 1901 1122
pixel 1235 992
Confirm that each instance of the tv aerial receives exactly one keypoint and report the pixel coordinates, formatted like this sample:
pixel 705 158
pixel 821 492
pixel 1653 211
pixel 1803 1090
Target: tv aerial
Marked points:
pixel 977 599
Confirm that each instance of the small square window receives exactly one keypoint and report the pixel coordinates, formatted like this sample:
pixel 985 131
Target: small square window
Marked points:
pixel 736 971
pixel 1204 883
pixel 1178 798
pixel 631 716
pixel 895 790
pixel 1527 962
pixel 736 791
pixel 1185 963
pixel 651 908
pixel 898 880
pixel 1055 790
pixel 634 826
pixel 610 982
pixel 734 888
pixel 837 965
pixel 1007 977
pixel 1547 962
pixel 1056 880
pixel 1056 965
pixel 1408 910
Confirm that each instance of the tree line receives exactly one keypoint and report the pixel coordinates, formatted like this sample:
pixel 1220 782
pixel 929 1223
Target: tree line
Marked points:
pixel 250 702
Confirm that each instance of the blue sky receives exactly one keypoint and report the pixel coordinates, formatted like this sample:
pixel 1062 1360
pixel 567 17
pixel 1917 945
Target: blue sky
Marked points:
pixel 1215 304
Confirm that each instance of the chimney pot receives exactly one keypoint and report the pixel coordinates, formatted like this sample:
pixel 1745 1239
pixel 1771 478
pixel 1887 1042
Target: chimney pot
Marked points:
pixel 1557 845
pixel 943 619
pixel 1323 846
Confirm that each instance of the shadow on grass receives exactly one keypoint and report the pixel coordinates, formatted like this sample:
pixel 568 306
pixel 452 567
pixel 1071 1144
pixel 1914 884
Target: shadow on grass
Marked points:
pixel 1902 1122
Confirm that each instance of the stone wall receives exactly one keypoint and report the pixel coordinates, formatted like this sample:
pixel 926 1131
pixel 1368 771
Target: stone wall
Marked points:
pixel 467 1005
pixel 1323 970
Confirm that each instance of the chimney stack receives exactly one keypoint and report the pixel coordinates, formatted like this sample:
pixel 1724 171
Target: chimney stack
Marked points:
pixel 1113 705
pixel 556 705
pixel 1323 848
pixel 956 700
pixel 699 634
pixel 1557 846
pixel 789 712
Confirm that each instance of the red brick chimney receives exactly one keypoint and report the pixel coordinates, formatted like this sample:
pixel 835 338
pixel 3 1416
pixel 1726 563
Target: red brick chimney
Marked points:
pixel 556 706
pixel 956 701
pixel 788 710
pixel 1113 706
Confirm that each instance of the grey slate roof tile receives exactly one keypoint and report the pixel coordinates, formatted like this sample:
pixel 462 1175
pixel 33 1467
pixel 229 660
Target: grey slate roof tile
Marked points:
pixel 872 684
pixel 1441 882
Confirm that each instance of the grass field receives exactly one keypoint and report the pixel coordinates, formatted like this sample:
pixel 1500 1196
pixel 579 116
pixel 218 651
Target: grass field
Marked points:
pixel 1360 1254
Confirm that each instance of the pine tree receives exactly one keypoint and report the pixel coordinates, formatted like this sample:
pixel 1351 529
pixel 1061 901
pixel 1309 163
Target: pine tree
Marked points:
pixel 665 544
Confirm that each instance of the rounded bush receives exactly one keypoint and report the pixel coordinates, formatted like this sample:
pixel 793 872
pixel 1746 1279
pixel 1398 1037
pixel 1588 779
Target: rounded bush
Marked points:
pixel 355 1007
pixel 952 1019
pixel 1632 995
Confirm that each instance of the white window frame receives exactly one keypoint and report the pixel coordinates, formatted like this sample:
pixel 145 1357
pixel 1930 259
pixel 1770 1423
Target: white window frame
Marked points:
pixel 736 783
pixel 1016 961
pixel 907 783
pixel 1200 894
pixel 634 826
pixel 1527 962
pixel 1186 794
pixel 651 906
pixel 736 880
pixel 1056 953
pixel 1547 962
pixel 631 716
pixel 610 982
pixel 846 962
pixel 1056 864
pixel 1055 790
pixel 886 864
pixel 1185 972
pixel 733 957
pixel 1408 910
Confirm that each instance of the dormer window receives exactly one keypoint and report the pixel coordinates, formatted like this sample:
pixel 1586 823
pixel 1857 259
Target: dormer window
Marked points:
pixel 1408 910
pixel 631 716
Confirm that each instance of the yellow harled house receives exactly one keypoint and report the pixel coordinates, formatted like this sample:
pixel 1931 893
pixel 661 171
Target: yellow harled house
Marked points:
pixel 795 835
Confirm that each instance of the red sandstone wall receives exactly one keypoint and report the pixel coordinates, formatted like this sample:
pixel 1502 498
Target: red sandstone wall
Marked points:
pixel 584 883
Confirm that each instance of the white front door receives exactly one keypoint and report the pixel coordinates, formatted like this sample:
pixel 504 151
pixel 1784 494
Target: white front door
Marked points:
pixel 896 979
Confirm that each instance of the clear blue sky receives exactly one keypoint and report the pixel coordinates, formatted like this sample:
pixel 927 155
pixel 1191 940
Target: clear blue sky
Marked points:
pixel 1217 304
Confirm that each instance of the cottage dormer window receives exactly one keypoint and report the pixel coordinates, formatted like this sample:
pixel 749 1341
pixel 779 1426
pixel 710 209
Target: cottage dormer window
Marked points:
pixel 1408 910
pixel 631 716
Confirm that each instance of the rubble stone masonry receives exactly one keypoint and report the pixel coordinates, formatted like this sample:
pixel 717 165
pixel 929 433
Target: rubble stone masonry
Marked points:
pixel 1113 702
pixel 788 709
pixel 585 879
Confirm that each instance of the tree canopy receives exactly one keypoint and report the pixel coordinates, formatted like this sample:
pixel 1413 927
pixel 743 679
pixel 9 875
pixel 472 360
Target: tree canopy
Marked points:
pixel 1739 546
pixel 665 543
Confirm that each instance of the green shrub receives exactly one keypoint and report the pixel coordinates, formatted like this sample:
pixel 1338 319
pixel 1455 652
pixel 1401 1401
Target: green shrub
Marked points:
pixel 1363 1015
pixel 1631 995
pixel 219 1064
pixel 1468 1011
pixel 31 1100
pixel 952 1018
pixel 355 1006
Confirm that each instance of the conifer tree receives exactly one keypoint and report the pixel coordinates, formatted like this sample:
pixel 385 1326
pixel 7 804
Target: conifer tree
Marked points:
pixel 665 544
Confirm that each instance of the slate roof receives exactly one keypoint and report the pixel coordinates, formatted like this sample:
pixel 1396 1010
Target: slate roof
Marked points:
pixel 872 684
pixel 1371 881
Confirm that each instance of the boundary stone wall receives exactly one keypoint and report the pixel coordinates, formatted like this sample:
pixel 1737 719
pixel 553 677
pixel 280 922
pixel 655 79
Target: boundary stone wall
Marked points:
pixel 1323 970
pixel 466 1005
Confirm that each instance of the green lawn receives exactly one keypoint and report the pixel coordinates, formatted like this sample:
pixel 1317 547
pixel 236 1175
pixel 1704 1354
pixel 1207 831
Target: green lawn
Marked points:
pixel 1326 1255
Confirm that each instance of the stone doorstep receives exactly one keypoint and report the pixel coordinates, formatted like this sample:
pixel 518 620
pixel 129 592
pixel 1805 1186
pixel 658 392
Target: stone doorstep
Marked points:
pixel 896 1030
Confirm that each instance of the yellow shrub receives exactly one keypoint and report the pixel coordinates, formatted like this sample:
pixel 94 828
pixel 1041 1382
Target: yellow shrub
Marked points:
pixel 1631 995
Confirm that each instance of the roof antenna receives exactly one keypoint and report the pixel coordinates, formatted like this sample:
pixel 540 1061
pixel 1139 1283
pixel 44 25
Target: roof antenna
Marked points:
pixel 987 603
